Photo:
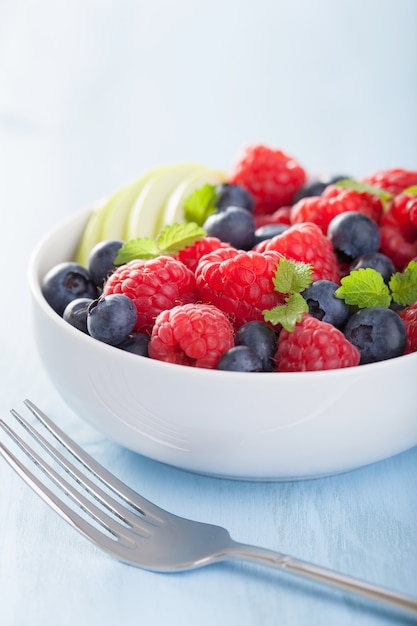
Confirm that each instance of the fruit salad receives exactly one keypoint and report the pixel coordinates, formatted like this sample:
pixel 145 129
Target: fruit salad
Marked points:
pixel 261 269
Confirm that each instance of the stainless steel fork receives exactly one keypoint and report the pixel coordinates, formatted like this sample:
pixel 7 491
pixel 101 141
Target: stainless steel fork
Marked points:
pixel 138 532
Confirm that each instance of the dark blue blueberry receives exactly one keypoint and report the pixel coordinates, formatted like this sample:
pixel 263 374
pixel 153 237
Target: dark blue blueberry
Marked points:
pixel 377 261
pixel 65 282
pixel 233 225
pixel 137 343
pixel 268 231
pixel 353 234
pixel 101 260
pixel 240 359
pixel 75 313
pixel 111 318
pixel 315 186
pixel 378 333
pixel 234 195
pixel 261 339
pixel 323 304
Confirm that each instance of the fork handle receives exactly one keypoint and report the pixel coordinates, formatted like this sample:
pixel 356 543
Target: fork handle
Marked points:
pixel 323 575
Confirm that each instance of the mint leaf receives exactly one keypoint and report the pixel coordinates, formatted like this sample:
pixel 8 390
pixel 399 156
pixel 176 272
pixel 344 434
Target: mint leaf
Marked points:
pixel 287 314
pixel 411 190
pixel 292 276
pixel 403 285
pixel 170 240
pixel 351 183
pixel 141 248
pixel 200 204
pixel 176 237
pixel 364 288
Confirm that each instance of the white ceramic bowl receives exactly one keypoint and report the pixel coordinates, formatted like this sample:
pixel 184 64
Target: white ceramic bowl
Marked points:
pixel 252 426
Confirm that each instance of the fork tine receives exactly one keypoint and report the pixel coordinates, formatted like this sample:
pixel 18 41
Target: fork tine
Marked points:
pixel 141 504
pixel 57 504
pixel 104 498
pixel 110 524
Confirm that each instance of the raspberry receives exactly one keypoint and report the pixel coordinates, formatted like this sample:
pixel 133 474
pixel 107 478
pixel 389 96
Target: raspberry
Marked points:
pixel 335 200
pixel 280 216
pixel 393 180
pixel 191 334
pixel 154 285
pixel 404 211
pixel 399 231
pixel 368 203
pixel 307 243
pixel 191 255
pixel 239 283
pixel 314 345
pixel 271 177
pixel 396 247
pixel 409 317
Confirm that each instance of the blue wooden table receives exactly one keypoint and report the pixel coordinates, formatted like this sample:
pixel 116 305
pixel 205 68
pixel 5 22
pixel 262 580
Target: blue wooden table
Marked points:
pixel 91 94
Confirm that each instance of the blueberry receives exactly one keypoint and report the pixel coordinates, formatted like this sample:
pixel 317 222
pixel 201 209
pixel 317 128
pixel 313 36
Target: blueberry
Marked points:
pixel 240 359
pixel 111 318
pixel 353 234
pixel 65 282
pixel 233 225
pixel 378 333
pixel 234 195
pixel 316 185
pixel 101 260
pixel 137 343
pixel 377 261
pixel 324 305
pixel 268 231
pixel 75 313
pixel 261 339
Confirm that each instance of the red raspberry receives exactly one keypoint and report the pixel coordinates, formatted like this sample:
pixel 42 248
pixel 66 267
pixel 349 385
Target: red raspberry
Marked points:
pixel 154 285
pixel 307 243
pixel 271 177
pixel 318 210
pixel 409 317
pixel 404 211
pixel 280 216
pixel 368 203
pixel 393 180
pixel 398 230
pixel 239 283
pixel 191 334
pixel 333 201
pixel 394 245
pixel 314 345
pixel 191 255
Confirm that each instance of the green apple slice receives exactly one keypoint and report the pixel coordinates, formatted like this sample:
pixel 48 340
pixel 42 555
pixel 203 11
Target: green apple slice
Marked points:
pixel 119 207
pixel 107 221
pixel 91 235
pixel 144 217
pixel 174 208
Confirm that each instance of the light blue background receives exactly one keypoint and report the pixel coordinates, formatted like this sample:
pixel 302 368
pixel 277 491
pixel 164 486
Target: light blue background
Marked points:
pixel 92 92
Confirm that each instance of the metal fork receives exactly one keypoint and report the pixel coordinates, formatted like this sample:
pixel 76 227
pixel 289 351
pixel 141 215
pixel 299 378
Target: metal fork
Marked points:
pixel 136 531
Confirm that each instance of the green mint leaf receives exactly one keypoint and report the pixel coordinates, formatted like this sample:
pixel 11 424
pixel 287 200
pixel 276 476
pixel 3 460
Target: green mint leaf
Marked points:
pixel 292 276
pixel 364 288
pixel 411 190
pixel 176 237
pixel 171 239
pixel 403 285
pixel 200 204
pixel 351 183
pixel 141 248
pixel 287 314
